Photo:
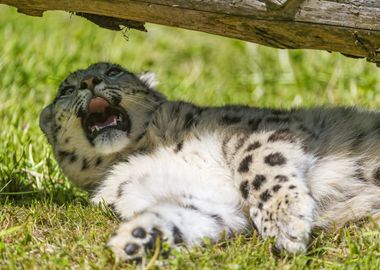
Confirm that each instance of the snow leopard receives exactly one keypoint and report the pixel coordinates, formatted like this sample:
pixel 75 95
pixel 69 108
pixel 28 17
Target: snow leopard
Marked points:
pixel 181 173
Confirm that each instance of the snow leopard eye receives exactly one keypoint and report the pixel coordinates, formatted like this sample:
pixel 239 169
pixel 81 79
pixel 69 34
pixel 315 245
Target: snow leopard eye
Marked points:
pixel 67 90
pixel 114 71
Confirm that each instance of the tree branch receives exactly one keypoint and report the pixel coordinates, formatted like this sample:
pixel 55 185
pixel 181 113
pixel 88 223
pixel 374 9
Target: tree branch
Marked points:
pixel 283 4
pixel 351 27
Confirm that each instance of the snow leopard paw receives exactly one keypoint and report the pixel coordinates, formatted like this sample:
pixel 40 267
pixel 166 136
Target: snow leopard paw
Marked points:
pixel 138 237
pixel 288 219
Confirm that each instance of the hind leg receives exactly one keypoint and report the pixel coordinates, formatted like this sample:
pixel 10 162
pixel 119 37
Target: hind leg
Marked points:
pixel 270 170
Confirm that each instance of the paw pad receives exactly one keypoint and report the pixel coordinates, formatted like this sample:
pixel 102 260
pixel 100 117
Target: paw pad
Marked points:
pixel 139 232
pixel 134 241
pixel 131 249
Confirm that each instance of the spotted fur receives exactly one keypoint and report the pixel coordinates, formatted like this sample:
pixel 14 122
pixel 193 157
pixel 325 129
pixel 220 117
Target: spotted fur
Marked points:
pixel 182 172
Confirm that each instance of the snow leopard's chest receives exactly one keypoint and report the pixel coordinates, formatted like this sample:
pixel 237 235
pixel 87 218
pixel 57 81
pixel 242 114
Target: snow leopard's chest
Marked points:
pixel 194 176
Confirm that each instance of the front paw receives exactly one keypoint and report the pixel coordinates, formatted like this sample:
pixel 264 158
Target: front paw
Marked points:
pixel 135 239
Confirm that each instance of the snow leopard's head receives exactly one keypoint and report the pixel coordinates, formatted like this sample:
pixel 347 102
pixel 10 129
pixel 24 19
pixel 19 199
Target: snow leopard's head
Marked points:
pixel 99 112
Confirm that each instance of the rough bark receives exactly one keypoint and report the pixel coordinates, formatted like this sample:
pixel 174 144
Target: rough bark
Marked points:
pixel 351 27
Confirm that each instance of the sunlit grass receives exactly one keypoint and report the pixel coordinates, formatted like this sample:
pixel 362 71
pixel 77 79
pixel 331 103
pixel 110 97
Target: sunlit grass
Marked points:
pixel 45 223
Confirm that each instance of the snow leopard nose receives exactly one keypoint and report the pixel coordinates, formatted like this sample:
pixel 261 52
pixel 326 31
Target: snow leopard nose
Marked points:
pixel 89 83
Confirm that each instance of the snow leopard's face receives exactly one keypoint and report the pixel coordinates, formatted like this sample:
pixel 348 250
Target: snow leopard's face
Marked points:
pixel 98 113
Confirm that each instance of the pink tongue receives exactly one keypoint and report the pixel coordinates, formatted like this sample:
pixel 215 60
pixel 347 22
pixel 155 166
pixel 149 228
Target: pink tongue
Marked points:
pixel 97 104
pixel 110 120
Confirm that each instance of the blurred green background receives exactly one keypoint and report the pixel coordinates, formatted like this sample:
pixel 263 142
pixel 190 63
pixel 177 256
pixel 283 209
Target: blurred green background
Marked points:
pixel 42 214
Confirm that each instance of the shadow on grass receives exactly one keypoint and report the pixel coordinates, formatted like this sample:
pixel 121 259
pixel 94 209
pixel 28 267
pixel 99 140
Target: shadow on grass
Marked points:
pixel 56 197
pixel 22 182
pixel 22 193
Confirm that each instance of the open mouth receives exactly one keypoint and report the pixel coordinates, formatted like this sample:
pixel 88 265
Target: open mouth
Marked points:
pixel 102 116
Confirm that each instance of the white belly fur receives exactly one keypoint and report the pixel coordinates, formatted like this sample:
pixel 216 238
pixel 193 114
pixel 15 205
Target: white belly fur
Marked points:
pixel 197 176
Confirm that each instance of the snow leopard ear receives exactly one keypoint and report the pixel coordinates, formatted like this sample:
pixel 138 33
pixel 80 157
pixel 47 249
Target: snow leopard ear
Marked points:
pixel 149 78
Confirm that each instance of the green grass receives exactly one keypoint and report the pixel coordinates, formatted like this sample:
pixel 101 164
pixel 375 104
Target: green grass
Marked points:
pixel 46 223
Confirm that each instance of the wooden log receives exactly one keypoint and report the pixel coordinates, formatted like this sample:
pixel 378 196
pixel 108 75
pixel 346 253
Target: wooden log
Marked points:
pixel 351 27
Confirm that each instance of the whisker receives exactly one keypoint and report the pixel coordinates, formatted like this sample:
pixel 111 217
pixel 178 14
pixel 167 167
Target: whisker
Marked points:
pixel 112 87
pixel 137 102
